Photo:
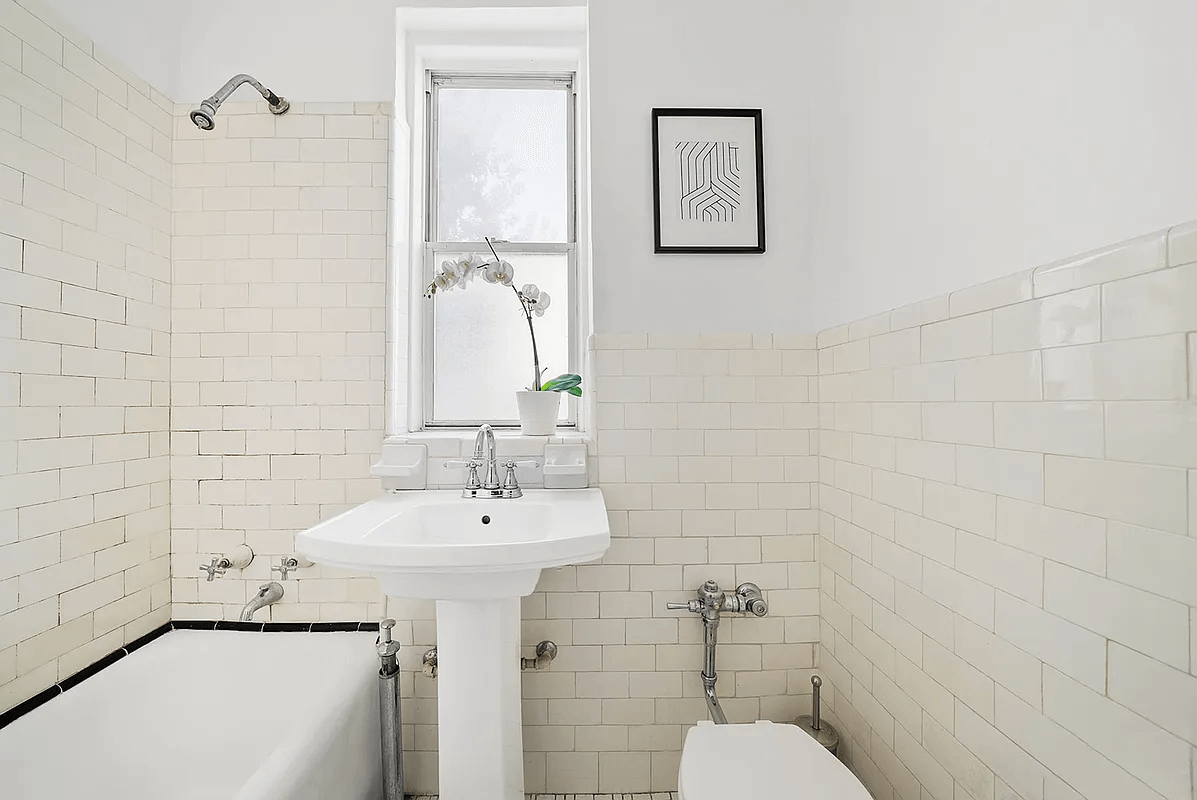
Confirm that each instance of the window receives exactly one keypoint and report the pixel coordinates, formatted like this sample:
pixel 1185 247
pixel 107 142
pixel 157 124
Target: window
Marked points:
pixel 501 164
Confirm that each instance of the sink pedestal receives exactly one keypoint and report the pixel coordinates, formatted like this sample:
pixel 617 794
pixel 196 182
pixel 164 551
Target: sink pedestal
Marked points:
pixel 478 699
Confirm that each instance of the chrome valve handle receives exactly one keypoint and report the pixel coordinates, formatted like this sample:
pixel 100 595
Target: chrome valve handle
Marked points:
pixel 473 465
pixel 286 566
pixel 511 486
pixel 219 566
pixel 693 606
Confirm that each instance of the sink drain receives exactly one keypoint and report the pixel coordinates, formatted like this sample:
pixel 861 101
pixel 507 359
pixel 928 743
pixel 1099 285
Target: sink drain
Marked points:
pixel 485 519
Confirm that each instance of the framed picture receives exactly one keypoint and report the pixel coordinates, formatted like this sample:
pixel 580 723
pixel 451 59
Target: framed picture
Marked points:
pixel 708 180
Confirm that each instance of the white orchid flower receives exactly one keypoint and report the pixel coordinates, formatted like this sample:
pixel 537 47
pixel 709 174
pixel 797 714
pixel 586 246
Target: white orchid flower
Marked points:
pixel 541 304
pixel 502 273
pixel 466 269
pixel 530 291
pixel 444 280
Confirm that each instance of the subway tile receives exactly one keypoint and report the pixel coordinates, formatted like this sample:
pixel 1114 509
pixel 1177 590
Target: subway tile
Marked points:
pixel 930 695
pixel 926 537
pixel 1009 473
pixel 1182 244
pixel 1193 502
pixel 1007 568
pixel 920 313
pixel 1145 751
pixel 1149 623
pixel 958 423
pixel 1094 776
pixel 1154 304
pixel 1014 376
pixel 1151 368
pixel 921 382
pixel 992 294
pixel 1155 691
pixel 1152 433
pixel 1008 761
pixel 1078 653
pixel 900 348
pixel 963 337
pixel 1062 319
pixel 1150 496
pixel 1074 539
pixel 959 593
pixel 960 507
pixel 1071 429
pixel 1017 671
pixel 973 688
pixel 1122 260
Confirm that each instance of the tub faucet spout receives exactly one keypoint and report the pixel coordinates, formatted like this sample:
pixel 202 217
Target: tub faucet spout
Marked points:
pixel 268 594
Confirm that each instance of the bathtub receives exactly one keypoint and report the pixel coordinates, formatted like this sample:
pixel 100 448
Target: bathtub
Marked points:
pixel 200 715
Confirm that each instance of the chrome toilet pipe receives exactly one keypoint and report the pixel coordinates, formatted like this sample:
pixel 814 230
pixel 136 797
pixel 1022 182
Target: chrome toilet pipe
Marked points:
pixel 389 712
pixel 710 603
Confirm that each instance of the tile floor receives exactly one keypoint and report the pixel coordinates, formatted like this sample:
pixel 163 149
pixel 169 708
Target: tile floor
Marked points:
pixel 617 796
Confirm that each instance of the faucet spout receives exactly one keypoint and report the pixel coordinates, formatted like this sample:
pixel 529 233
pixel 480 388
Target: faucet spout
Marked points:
pixel 484 450
pixel 268 594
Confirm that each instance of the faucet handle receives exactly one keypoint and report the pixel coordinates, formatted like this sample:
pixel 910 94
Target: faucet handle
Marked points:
pixel 459 463
pixel 693 606
pixel 472 479
pixel 287 565
pixel 219 566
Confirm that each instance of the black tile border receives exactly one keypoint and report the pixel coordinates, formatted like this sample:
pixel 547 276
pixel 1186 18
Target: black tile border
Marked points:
pixel 44 696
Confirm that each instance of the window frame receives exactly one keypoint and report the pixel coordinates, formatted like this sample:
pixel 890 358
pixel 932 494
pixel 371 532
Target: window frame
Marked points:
pixel 433 80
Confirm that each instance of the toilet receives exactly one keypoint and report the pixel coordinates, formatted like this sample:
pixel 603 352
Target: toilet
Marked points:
pixel 762 761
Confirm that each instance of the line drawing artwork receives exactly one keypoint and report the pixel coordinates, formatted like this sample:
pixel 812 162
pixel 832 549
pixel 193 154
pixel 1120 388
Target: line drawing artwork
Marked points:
pixel 710 180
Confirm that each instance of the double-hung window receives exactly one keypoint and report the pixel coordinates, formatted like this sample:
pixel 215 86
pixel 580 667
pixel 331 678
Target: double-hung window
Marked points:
pixel 501 164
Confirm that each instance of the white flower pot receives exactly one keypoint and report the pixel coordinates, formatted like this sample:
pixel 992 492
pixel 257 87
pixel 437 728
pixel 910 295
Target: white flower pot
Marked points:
pixel 538 412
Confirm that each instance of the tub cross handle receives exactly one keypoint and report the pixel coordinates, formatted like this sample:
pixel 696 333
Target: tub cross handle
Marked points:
pixel 219 566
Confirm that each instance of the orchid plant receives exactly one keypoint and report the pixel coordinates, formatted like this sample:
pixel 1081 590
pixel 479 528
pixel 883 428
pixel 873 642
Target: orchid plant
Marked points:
pixel 533 302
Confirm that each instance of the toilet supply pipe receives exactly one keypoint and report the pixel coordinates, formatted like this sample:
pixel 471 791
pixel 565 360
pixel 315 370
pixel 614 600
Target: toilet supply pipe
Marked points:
pixel 390 713
pixel 710 603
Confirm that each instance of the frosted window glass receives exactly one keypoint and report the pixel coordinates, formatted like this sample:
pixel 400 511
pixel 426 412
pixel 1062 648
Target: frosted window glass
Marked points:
pixel 502 165
pixel 483 351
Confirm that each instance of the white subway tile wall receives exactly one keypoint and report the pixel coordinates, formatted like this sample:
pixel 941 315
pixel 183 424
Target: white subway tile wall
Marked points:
pixel 85 155
pixel 1022 570
pixel 278 336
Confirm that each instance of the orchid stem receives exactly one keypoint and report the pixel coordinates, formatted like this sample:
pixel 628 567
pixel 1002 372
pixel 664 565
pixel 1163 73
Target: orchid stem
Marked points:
pixel 527 316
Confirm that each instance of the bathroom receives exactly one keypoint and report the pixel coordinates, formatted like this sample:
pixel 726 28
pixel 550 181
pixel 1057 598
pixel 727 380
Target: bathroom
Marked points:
pixel 946 421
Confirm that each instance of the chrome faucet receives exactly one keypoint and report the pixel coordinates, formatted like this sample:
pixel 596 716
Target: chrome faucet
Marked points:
pixel 268 594
pixel 488 486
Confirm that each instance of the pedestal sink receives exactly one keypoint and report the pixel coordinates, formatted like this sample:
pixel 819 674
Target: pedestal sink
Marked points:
pixel 476 558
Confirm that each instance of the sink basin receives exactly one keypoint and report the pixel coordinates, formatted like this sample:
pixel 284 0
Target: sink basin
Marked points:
pixel 476 558
pixel 437 545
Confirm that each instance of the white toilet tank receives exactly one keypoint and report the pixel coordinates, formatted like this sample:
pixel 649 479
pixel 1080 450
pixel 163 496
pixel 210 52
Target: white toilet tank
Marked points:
pixel 762 761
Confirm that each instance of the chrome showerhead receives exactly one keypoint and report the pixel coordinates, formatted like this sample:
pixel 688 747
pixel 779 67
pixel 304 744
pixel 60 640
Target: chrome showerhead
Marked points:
pixel 204 117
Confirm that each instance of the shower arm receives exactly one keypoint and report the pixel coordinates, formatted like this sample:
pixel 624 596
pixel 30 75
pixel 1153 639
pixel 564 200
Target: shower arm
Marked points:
pixel 235 82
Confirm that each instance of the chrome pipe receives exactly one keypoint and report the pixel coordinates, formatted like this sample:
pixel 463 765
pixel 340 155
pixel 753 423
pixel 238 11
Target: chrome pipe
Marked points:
pixel 204 117
pixel 390 713
pixel 710 603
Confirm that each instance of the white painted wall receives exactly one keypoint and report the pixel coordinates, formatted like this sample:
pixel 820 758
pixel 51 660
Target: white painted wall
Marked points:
pixel 307 50
pixel 695 53
pixel 909 150
pixel 142 34
pixel 957 142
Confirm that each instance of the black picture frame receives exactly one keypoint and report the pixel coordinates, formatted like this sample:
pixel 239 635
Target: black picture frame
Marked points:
pixel 753 114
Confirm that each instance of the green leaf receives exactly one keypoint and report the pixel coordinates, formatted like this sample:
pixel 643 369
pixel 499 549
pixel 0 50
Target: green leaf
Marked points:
pixel 576 391
pixel 563 383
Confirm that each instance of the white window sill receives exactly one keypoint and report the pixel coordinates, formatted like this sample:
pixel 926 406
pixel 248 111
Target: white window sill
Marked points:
pixel 459 442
